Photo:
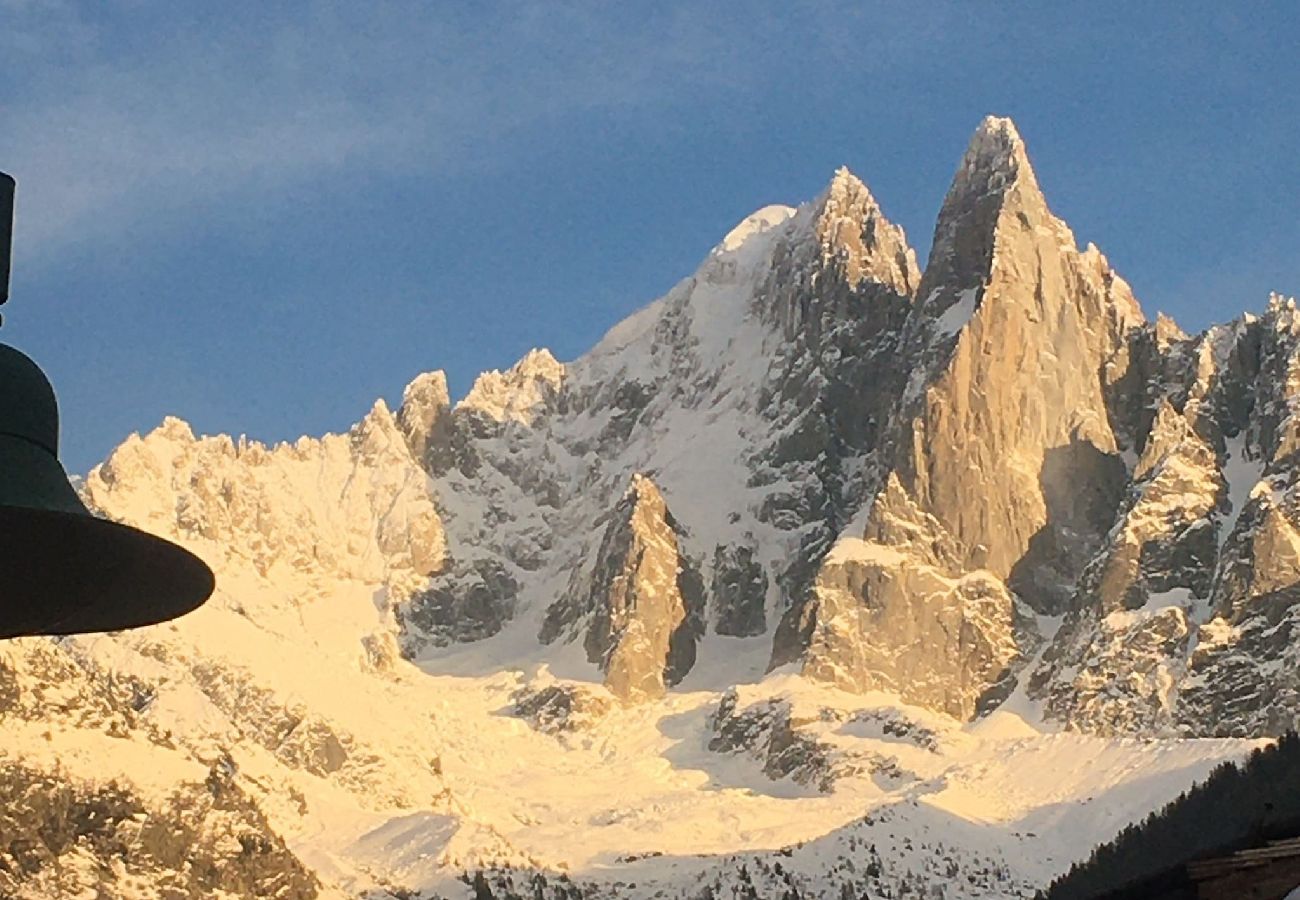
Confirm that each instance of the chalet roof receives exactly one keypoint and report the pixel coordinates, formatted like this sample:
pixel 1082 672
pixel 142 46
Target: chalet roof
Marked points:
pixel 1206 869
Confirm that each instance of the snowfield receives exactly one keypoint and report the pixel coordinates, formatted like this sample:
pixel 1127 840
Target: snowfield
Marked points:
pixel 444 777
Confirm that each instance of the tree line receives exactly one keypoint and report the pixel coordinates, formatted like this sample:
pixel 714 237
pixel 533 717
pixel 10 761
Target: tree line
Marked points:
pixel 1238 806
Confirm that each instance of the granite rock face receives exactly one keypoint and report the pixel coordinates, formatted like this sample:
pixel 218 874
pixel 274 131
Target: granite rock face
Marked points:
pixel 1009 444
pixel 425 421
pixel 840 293
pixel 472 601
pixel 562 708
pixel 641 604
pixel 790 743
pixel 1183 620
pixel 1000 472
pixel 1244 672
pixel 739 592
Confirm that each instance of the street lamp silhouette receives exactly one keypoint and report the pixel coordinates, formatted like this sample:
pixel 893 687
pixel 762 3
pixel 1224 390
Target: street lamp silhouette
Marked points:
pixel 63 570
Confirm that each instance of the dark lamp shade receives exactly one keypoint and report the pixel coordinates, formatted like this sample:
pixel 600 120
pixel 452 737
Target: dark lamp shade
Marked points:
pixel 63 570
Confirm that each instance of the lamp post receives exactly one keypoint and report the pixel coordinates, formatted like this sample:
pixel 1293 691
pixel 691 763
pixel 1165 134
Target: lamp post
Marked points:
pixel 63 570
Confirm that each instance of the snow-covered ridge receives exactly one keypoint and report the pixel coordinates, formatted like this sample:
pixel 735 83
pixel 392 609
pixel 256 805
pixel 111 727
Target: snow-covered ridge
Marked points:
pixel 757 222
pixel 355 505
pixel 519 392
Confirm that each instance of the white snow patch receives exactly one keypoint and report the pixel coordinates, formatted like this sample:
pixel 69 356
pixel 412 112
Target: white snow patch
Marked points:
pixel 851 549
pixel 1156 603
pixel 955 317
pixel 756 222
pixel 1242 474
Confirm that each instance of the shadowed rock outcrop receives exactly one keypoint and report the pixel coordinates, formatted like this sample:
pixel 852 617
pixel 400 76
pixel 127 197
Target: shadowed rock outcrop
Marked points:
pixel 1184 620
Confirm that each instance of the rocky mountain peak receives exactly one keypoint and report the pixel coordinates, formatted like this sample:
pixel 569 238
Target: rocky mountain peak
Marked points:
pixel 1282 309
pixel 1002 471
pixel 642 492
pixel 424 417
pixel 641 603
pixel 175 429
pixel 1167 331
pixel 757 222
pixel 852 232
pixel 378 431
pixel 844 183
pixel 519 393
pixel 997 152
pixel 1038 321
pixel 249 502
pixel 993 190
pixel 426 390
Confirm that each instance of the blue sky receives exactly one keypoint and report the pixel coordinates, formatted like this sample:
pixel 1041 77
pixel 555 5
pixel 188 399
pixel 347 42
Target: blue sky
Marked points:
pixel 261 216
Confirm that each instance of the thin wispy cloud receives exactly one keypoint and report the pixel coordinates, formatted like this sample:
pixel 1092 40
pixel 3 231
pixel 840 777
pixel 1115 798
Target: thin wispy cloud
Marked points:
pixel 137 110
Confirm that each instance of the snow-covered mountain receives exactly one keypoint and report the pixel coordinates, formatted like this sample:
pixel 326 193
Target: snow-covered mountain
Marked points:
pixel 819 574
